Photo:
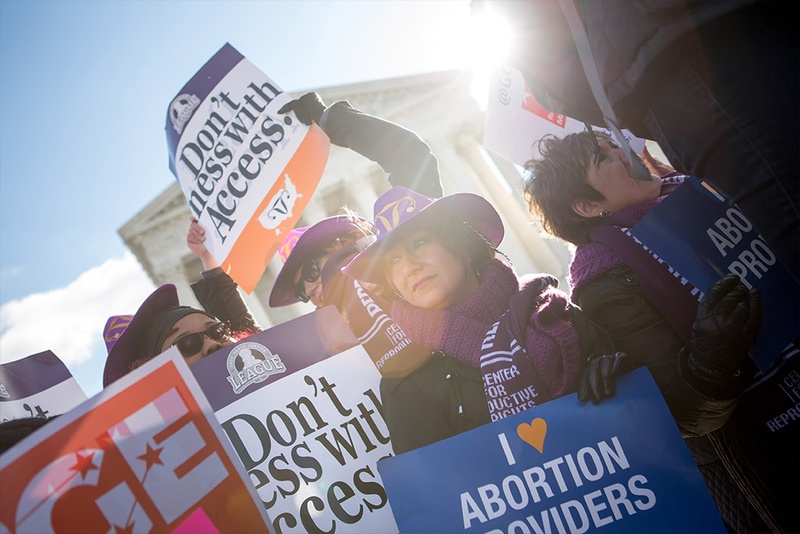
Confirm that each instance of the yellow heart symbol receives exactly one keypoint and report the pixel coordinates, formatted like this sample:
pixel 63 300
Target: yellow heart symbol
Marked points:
pixel 533 433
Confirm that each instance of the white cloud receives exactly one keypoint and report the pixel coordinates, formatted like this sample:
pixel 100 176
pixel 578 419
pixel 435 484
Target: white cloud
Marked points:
pixel 69 321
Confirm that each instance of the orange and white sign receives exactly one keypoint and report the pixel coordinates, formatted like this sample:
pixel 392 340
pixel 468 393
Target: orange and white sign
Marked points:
pixel 247 171
pixel 145 455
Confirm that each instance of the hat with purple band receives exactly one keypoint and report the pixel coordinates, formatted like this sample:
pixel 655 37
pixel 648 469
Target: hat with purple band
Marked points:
pixel 401 211
pixel 139 337
pixel 304 243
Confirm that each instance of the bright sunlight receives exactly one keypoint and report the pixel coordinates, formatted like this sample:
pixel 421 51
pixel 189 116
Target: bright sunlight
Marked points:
pixel 488 46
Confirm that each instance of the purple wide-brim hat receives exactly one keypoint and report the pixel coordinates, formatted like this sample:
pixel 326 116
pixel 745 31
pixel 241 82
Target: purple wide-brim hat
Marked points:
pixel 114 328
pixel 401 211
pixel 312 241
pixel 128 346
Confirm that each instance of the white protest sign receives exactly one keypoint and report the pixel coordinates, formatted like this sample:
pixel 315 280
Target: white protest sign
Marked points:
pixel 303 413
pixel 39 385
pixel 247 172
pixel 310 443
pixel 515 120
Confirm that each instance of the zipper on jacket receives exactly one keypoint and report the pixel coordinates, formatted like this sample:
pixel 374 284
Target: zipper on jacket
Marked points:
pixel 451 377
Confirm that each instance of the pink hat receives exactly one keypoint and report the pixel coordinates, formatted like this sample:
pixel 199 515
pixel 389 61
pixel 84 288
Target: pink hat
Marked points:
pixel 307 243
pixel 400 211
pixel 291 240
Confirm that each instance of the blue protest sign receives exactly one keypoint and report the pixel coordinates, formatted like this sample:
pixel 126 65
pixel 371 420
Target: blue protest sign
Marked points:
pixel 704 237
pixel 563 466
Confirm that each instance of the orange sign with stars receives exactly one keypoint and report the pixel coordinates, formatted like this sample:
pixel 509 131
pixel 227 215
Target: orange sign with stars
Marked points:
pixel 145 455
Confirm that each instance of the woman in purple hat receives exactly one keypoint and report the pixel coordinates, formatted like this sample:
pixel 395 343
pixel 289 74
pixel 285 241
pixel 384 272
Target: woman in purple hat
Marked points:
pixel 517 340
pixel 160 323
pixel 581 190
pixel 313 256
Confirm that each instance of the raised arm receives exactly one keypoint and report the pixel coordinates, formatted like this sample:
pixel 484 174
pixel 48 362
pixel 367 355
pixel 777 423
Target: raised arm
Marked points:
pixel 399 151
pixel 216 291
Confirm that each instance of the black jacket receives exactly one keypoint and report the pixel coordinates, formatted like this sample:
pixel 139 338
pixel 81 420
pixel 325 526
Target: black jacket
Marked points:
pixel 218 295
pixel 750 460
pixel 617 303
pixel 625 36
pixel 441 399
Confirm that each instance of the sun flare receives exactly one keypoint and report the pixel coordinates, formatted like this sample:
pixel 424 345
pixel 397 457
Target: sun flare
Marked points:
pixel 489 46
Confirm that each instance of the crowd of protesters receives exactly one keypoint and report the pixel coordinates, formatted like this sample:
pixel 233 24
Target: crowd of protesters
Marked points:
pixel 436 273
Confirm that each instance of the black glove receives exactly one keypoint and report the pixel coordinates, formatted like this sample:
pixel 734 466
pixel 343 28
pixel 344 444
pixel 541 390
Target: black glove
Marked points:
pixel 728 320
pixel 598 377
pixel 308 108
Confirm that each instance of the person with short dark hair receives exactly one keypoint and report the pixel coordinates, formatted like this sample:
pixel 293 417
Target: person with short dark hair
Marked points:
pixel 581 189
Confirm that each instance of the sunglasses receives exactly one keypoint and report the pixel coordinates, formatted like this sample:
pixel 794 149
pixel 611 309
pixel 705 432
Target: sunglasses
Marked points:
pixel 309 272
pixel 193 343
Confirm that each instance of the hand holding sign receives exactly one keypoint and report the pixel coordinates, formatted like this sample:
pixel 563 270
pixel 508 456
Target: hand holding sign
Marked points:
pixel 703 236
pixel 596 379
pixel 308 108
pixel 728 319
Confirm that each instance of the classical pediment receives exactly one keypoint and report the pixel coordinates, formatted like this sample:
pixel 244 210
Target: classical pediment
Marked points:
pixel 169 205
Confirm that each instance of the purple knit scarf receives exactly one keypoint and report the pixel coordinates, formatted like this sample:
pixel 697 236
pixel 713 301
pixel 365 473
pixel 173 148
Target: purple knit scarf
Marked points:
pixel 552 354
pixel 612 245
pixel 593 259
pixel 459 331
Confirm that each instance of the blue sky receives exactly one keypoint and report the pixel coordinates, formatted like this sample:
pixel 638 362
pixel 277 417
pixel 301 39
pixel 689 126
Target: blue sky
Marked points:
pixel 84 88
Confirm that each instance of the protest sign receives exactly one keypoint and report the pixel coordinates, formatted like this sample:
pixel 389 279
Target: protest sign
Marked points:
pixel 703 236
pixel 144 455
pixel 563 466
pixel 39 385
pixel 305 419
pixel 246 171
pixel 515 120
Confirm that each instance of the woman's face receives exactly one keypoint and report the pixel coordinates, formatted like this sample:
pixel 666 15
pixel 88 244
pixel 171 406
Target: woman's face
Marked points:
pixel 426 274
pixel 611 175
pixel 196 323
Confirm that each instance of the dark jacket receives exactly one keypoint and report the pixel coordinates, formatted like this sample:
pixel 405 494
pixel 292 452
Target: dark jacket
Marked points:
pixel 218 295
pixel 751 462
pixel 615 301
pixel 441 399
pixel 624 37
pixel 400 152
